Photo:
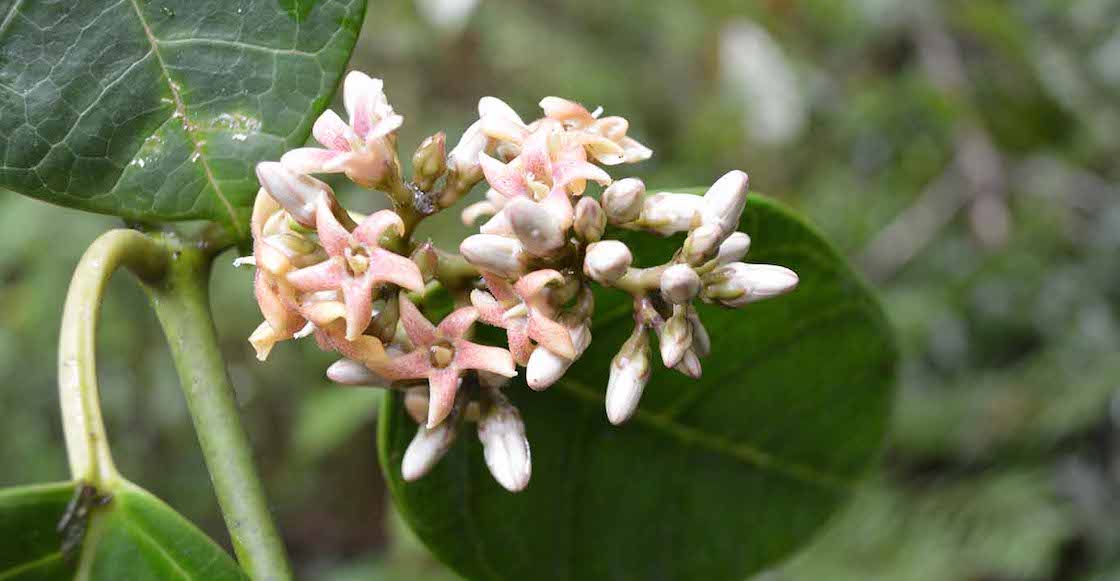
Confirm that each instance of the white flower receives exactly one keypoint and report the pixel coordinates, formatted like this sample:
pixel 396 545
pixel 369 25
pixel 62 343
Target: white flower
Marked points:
pixel 725 200
pixel 606 261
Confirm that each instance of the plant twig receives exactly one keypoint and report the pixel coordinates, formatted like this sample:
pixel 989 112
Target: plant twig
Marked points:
pixel 181 302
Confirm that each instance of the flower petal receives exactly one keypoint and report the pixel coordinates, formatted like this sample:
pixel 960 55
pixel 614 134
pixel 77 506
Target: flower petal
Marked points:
pixel 334 237
pixel 442 385
pixel 327 275
pixel 357 293
pixel 371 229
pixel 419 329
pixel 386 266
pixel 456 325
pixel 551 335
pixel 361 96
pixel 308 159
pixel 504 178
pixel 484 357
pixel 332 131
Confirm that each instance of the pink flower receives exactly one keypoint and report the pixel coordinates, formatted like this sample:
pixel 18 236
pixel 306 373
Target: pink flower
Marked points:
pixel 523 311
pixel 442 353
pixel 357 265
pixel 363 150
pixel 605 139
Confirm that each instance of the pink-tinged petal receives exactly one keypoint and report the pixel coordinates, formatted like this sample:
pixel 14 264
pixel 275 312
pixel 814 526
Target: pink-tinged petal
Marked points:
pixel 565 110
pixel 419 329
pixel 535 158
pixel 284 320
pixel 357 293
pixel 484 357
pixel 530 286
pixel 327 275
pixel 371 229
pixel 604 150
pixel 456 325
pixel 498 224
pixel 559 205
pixel 413 365
pixel 308 159
pixel 489 309
pixel 332 131
pixel 384 127
pixel 635 151
pixel 386 266
pixel 500 288
pixel 264 207
pixel 504 178
pixel 493 106
pixel 551 335
pixel 520 346
pixel 442 385
pixel 365 349
pixel 344 161
pixel 361 96
pixel 334 237
pixel 566 172
pixel 503 128
pixel 613 128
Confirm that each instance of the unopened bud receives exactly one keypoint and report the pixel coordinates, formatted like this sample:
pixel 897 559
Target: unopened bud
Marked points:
pixel 416 404
pixel 504 445
pixel 546 367
pixel 297 193
pixel 734 248
pixel 606 261
pixel 430 161
pixel 666 214
pixel 497 254
pixel 676 337
pixel 690 365
pixel 738 283
pixel 702 243
pixel 590 220
pixel 680 284
pixel 427 260
pixel 724 201
pixel 701 342
pixel 538 230
pixel 630 370
pixel 427 448
pixel 350 372
pixel 622 201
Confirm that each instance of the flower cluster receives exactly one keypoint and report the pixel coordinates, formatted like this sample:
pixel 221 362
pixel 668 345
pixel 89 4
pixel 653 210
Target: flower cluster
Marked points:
pixel 353 282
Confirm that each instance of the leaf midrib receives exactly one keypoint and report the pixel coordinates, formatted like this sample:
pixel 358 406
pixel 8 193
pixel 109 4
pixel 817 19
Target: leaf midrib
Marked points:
pixel 12 572
pixel 181 112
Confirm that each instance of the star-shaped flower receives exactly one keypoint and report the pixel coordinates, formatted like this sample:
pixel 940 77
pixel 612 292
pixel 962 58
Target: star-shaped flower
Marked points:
pixel 605 139
pixel 361 149
pixel 357 264
pixel 522 310
pixel 442 353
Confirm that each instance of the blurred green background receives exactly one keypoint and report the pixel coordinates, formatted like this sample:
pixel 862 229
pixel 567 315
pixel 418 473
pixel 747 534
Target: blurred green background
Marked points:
pixel 963 153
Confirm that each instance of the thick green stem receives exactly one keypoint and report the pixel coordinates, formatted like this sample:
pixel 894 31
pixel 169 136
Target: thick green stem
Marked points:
pixel 181 302
pixel 87 446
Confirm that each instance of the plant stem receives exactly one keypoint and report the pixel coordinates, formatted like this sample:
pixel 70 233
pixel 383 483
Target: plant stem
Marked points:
pixel 87 446
pixel 181 302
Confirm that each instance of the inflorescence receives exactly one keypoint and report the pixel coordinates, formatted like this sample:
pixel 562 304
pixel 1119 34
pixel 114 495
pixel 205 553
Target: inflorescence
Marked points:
pixel 352 282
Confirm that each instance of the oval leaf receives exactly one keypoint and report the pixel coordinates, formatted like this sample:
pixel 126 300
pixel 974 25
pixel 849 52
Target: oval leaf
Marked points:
pixel 128 534
pixel 159 109
pixel 712 479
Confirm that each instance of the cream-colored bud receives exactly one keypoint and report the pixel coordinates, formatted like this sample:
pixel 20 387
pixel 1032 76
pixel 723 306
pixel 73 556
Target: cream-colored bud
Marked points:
pixel 702 243
pixel 734 248
pixel 350 372
pixel 622 201
pixel 426 259
pixel 297 193
pixel 701 342
pixel 679 284
pixel 590 220
pixel 690 365
pixel 630 370
pixel 667 213
pixel 606 261
pixel 539 231
pixel 737 284
pixel 498 254
pixel 676 337
pixel 504 445
pixel 426 449
pixel 725 200
pixel 546 368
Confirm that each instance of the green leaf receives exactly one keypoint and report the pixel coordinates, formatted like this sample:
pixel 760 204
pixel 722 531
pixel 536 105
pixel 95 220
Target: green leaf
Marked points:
pixel 712 479
pixel 124 534
pixel 159 109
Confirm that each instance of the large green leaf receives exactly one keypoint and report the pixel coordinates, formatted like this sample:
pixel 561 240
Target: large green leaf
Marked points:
pixel 125 534
pixel 712 479
pixel 158 109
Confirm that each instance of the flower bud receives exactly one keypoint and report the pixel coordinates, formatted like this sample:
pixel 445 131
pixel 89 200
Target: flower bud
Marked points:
pixel 738 283
pixel 724 201
pixel 427 260
pixel 350 372
pixel 606 261
pixel 630 371
pixel 676 337
pixel 679 284
pixel 666 214
pixel 690 365
pixel 429 162
pixel 538 230
pixel 701 342
pixel 622 201
pixel 734 248
pixel 546 367
pixel 590 220
pixel 297 193
pixel 702 243
pixel 426 449
pixel 416 404
pixel 463 158
pixel 497 254
pixel 504 445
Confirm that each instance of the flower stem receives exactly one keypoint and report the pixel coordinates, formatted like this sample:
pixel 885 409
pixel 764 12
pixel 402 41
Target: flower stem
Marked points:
pixel 181 302
pixel 87 446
